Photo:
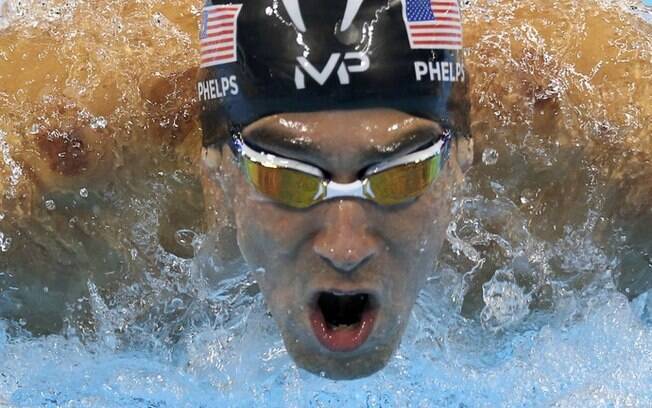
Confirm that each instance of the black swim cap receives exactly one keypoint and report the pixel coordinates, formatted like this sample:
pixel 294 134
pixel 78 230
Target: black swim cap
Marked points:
pixel 261 57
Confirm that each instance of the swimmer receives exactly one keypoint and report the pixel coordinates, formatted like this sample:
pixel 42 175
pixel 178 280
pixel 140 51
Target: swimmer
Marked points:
pixel 335 131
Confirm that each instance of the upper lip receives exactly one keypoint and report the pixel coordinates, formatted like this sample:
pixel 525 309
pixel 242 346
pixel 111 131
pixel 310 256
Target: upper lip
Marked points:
pixel 374 297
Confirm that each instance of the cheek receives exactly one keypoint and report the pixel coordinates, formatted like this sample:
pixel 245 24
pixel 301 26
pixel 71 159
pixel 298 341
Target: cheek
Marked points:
pixel 420 228
pixel 415 235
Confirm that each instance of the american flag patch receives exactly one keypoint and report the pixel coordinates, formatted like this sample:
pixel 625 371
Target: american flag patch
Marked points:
pixel 433 24
pixel 218 34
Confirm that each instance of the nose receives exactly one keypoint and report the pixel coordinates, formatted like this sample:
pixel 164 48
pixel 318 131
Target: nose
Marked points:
pixel 345 241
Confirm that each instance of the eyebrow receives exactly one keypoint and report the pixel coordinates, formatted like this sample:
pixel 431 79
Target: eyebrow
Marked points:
pixel 286 143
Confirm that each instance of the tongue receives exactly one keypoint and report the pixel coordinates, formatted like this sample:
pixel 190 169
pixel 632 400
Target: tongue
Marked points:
pixel 342 338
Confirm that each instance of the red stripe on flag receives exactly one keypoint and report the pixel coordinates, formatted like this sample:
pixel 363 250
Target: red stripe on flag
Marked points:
pixel 223 10
pixel 458 35
pixel 223 32
pixel 228 41
pixel 220 17
pixel 220 25
pixel 442 26
pixel 443 18
pixel 438 43
pixel 218 59
pixel 446 12
pixel 444 3
pixel 218 49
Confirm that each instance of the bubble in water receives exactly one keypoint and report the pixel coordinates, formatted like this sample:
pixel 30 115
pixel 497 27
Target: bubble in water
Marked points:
pixel 185 237
pixel 50 205
pixel 158 19
pixel 83 193
pixel 5 242
pixel 490 156
pixel 269 11
pixel 98 122
pixel 2 216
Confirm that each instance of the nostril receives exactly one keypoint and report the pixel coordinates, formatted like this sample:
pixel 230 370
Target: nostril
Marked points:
pixel 346 263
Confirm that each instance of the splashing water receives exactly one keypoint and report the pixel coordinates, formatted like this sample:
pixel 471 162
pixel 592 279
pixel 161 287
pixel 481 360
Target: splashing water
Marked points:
pixel 540 297
pixel 603 358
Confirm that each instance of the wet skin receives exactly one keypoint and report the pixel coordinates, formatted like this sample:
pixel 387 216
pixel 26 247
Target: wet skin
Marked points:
pixel 344 245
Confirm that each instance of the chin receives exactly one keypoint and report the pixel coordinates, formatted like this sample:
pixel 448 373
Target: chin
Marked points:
pixel 343 333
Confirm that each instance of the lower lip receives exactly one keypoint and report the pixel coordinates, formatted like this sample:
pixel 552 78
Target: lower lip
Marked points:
pixel 344 339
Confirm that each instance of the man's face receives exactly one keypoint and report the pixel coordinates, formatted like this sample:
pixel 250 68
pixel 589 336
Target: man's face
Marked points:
pixel 342 276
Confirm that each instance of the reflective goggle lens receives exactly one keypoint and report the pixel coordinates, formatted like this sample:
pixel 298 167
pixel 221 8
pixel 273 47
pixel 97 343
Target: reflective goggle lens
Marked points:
pixel 405 182
pixel 304 186
pixel 287 186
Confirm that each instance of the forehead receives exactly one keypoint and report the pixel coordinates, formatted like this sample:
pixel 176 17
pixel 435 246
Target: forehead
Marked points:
pixel 379 130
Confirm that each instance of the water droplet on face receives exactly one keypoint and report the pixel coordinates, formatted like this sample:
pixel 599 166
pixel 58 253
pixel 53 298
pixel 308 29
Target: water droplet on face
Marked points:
pixel 83 193
pixel 490 156
pixel 50 205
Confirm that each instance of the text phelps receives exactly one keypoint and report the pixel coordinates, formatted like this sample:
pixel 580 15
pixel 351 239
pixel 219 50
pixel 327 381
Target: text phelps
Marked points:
pixel 218 88
pixel 439 71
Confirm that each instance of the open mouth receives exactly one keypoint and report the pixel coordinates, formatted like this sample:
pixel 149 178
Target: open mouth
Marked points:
pixel 343 321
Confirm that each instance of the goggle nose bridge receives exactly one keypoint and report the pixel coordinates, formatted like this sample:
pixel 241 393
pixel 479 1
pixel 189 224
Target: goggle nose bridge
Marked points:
pixel 356 189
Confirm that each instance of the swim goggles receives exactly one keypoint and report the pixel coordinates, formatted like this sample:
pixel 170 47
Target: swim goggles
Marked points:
pixel 300 185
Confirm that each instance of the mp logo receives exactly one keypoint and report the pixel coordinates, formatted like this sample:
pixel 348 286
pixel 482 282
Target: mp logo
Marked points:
pixel 351 62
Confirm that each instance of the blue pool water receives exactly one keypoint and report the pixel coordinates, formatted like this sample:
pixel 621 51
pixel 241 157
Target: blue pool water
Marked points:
pixel 593 354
